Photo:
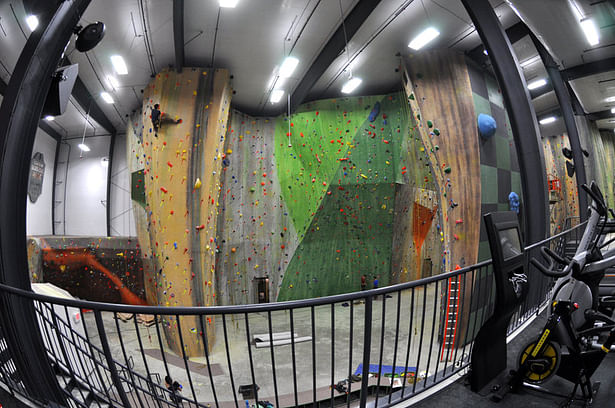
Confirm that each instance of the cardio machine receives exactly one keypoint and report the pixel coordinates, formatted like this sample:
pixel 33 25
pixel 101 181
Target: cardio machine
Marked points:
pixel 576 336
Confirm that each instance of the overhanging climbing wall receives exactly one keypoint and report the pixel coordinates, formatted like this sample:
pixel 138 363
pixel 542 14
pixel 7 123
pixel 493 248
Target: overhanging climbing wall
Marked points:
pixel 441 99
pixel 180 180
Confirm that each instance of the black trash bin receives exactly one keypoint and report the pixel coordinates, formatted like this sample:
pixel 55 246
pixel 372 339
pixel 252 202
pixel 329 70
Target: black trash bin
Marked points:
pixel 248 391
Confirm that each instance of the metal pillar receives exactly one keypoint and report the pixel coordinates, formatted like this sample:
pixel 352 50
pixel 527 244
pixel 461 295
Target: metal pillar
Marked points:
pixel 559 86
pixel 19 115
pixel 521 114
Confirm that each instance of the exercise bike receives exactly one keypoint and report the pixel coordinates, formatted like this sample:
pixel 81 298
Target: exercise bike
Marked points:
pixel 567 345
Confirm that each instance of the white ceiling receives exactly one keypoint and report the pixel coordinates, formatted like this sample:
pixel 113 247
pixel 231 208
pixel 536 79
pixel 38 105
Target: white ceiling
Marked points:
pixel 252 39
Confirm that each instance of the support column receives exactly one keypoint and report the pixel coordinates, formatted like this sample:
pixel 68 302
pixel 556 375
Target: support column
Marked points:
pixel 19 116
pixel 559 86
pixel 521 114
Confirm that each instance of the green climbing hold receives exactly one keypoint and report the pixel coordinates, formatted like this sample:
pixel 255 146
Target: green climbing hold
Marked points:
pixel 430 123
pixel 436 132
pixel 411 97
pixel 418 117
pixel 447 170
pixel 436 147
pixel 252 189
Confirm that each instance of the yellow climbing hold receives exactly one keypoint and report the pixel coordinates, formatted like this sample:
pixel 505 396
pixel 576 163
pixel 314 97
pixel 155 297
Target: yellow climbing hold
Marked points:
pixel 363 175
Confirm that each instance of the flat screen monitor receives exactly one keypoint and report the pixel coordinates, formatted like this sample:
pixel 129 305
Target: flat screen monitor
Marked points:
pixel 510 243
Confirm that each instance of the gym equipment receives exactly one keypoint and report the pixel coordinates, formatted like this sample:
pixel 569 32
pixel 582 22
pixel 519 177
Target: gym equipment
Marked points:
pixel 489 352
pixel 576 336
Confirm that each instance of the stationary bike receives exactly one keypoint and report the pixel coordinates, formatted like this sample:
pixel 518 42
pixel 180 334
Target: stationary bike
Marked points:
pixel 564 346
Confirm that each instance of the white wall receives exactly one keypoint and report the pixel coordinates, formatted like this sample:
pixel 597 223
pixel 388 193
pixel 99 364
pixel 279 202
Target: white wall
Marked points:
pixel 122 217
pixel 38 214
pixel 86 188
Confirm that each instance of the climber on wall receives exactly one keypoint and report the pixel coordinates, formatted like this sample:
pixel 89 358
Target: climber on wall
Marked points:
pixel 158 118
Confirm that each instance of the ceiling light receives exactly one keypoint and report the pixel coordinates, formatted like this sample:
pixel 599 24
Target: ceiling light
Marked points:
pixel 83 147
pixel 612 110
pixel 351 85
pixel 424 38
pixel 536 84
pixel 485 52
pixel 113 81
pixel 32 22
pixel 49 118
pixel 547 120
pixel 288 66
pixel 228 3
pixel 106 97
pixel 590 30
pixel 119 64
pixel 610 99
pixel 276 95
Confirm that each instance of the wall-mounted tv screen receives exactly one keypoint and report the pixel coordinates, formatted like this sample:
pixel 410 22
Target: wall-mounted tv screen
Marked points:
pixel 510 243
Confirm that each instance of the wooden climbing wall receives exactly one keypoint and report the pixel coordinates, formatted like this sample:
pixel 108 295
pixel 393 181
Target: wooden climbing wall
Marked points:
pixel 256 236
pixel 440 96
pixel 563 191
pixel 181 169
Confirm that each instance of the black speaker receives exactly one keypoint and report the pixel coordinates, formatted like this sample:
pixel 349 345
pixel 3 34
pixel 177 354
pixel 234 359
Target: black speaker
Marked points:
pixel 60 90
pixel 90 36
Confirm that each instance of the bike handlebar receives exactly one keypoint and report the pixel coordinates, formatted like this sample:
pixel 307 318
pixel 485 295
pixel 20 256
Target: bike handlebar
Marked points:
pixel 550 256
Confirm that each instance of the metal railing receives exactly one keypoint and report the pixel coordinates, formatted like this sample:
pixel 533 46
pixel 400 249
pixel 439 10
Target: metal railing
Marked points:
pixel 383 345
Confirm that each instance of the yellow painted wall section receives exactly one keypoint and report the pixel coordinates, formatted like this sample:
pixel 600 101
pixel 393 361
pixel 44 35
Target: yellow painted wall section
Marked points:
pixel 181 217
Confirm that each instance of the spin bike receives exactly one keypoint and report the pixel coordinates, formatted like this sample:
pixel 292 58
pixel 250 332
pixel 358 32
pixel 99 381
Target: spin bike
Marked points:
pixel 564 346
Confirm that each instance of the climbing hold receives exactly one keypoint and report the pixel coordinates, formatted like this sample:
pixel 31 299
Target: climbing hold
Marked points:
pixel 374 113
pixel 429 123
pixel 411 97
pixel 447 170
pixel 436 131
pixel 197 183
pixel 486 126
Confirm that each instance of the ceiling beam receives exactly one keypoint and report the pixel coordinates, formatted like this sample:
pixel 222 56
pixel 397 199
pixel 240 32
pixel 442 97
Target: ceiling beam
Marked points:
pixel 514 33
pixel 605 114
pixel 591 68
pixel 332 49
pixel 88 103
pixel 178 33
pixel 41 123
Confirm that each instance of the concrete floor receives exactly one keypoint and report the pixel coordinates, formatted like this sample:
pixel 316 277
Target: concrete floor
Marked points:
pixel 340 362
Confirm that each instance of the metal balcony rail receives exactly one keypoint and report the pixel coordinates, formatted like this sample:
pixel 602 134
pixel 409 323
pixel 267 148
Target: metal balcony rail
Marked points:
pixel 381 346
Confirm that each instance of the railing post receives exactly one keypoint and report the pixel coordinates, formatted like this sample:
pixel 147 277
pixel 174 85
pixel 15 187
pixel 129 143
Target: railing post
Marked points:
pixel 117 383
pixel 367 347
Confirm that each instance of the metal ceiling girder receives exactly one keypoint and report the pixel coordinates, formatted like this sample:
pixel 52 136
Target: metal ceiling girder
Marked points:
pixel 178 33
pixel 515 33
pixel 590 68
pixel 353 21
pixel 565 103
pixel 19 116
pixel 521 114
pixel 88 103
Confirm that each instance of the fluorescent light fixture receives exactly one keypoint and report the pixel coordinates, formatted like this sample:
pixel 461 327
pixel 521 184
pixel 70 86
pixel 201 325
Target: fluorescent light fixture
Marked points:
pixel 276 95
pixel 610 99
pixel 32 22
pixel 351 85
pixel 83 147
pixel 425 37
pixel 228 3
pixel 113 81
pixel 106 97
pixel 288 66
pixel 590 30
pixel 119 65
pixel 547 120
pixel 612 110
pixel 49 118
pixel 536 84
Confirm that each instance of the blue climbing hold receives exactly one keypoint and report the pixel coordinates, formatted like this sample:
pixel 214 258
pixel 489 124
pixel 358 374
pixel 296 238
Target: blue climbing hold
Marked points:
pixel 486 126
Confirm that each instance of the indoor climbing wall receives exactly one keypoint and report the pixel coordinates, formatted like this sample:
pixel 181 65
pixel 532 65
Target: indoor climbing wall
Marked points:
pixel 182 162
pixel 440 97
pixel 256 238
pixel 339 162
pixel 562 189
pixel 602 157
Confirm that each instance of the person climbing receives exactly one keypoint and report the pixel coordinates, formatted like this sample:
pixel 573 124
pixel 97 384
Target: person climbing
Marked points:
pixel 375 283
pixel 174 388
pixel 158 118
pixel 363 282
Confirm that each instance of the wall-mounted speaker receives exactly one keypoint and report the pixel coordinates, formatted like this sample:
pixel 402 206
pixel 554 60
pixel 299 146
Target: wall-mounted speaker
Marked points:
pixel 60 90
pixel 90 36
